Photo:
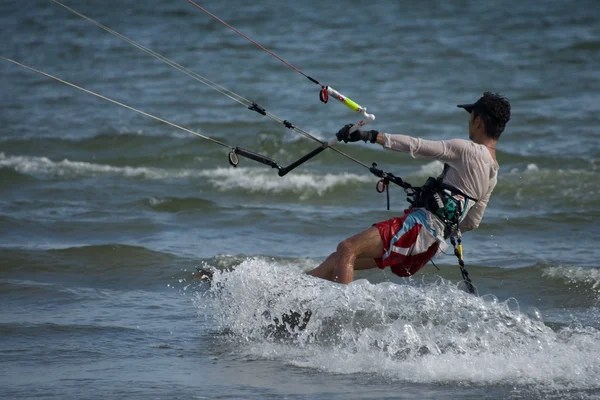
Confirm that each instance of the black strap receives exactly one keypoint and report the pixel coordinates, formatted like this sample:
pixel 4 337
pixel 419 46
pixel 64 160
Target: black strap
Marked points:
pixel 257 108
pixel 386 178
pixel 253 156
pixel 461 264
pixel 445 186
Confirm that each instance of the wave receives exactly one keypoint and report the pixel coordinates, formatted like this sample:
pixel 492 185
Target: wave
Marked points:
pixel 9 177
pixel 47 329
pixel 246 179
pixel 543 178
pixel 583 45
pixel 43 167
pixel 109 265
pixel 134 154
pixel 178 204
pixel 575 275
pixel 579 284
pixel 30 289
pixel 424 334
pixel 433 168
pixel 118 148
pixel 111 137
pixel 255 180
pixel 541 160
pixel 122 141
pixel 121 265
pixel 551 187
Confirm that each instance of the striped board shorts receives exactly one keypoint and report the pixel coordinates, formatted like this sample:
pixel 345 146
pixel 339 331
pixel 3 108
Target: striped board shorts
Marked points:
pixel 409 241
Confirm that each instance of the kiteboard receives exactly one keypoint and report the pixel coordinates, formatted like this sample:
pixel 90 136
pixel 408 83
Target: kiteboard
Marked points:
pixel 282 325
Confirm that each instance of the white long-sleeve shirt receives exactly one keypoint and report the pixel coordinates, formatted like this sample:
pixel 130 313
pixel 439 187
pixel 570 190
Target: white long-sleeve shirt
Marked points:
pixel 472 170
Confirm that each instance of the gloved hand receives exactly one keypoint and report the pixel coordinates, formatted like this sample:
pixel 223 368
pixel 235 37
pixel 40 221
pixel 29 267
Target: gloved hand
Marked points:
pixel 345 136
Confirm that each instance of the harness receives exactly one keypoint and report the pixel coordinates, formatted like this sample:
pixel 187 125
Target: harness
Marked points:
pixel 446 202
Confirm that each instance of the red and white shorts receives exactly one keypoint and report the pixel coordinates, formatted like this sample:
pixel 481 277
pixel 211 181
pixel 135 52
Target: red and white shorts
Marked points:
pixel 409 242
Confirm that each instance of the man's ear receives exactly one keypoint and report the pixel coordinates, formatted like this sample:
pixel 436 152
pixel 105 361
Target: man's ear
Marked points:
pixel 478 122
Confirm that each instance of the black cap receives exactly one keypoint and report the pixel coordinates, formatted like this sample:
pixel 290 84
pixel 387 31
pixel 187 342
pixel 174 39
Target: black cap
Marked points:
pixel 484 105
pixel 494 106
pixel 468 107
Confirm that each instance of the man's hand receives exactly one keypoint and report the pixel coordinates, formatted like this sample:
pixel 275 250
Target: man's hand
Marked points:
pixel 345 136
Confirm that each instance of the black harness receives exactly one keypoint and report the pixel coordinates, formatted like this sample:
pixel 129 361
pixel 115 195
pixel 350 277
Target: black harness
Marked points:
pixel 443 201
pixel 439 198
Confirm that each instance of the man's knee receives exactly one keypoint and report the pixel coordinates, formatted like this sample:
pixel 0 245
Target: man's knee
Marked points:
pixel 345 247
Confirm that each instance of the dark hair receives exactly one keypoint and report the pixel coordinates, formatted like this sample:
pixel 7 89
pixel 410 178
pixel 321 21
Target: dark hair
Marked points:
pixel 494 110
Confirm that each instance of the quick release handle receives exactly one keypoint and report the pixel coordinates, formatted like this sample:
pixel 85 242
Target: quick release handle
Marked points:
pixel 354 106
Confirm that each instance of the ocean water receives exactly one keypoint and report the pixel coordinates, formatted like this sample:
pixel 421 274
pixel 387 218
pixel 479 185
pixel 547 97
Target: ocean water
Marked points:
pixel 105 214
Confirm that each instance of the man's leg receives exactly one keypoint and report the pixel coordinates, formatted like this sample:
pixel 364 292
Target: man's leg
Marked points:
pixel 325 269
pixel 355 253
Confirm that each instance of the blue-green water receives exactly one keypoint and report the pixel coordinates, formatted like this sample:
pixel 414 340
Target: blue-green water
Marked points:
pixel 105 214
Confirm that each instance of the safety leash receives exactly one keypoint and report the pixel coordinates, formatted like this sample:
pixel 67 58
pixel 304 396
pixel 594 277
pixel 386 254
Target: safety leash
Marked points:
pixel 458 252
pixel 383 185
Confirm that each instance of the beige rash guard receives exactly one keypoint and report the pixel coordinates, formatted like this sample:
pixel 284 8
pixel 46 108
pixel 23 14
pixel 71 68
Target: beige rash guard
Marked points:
pixel 472 170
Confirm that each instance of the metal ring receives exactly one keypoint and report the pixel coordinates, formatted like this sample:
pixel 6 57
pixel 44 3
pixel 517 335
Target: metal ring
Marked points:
pixel 233 159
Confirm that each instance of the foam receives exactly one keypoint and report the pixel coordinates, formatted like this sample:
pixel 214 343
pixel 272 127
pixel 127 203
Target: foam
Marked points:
pixel 248 179
pixel 261 180
pixel 575 275
pixel 432 333
pixel 433 168
pixel 534 171
pixel 44 167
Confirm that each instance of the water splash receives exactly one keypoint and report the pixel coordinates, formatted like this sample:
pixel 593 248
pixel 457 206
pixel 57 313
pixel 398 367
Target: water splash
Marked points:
pixel 428 333
pixel 575 275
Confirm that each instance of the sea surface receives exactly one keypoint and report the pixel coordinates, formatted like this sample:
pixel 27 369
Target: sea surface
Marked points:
pixel 106 214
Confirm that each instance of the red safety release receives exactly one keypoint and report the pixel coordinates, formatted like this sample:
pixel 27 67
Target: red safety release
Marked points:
pixel 381 185
pixel 324 95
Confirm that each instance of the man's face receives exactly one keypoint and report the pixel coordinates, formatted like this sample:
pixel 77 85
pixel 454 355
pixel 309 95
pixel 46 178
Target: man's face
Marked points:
pixel 475 126
pixel 471 126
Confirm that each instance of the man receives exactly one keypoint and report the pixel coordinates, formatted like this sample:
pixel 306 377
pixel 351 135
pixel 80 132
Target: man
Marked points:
pixel 446 206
